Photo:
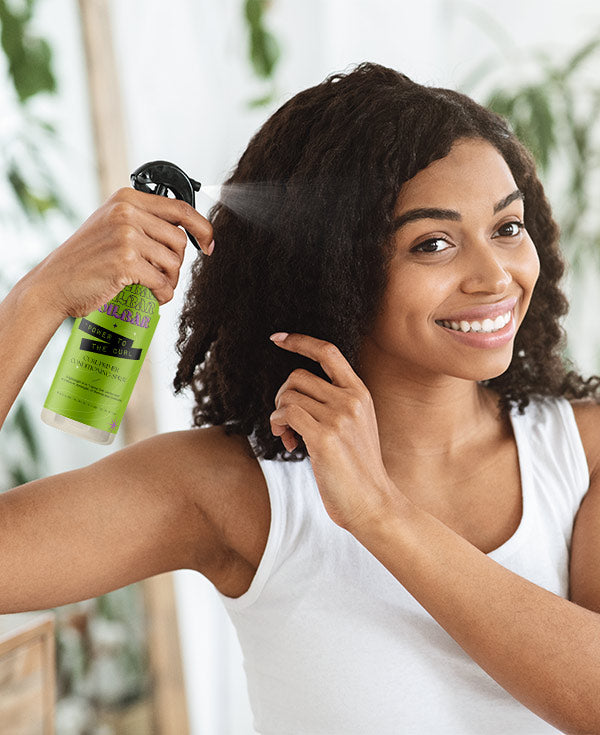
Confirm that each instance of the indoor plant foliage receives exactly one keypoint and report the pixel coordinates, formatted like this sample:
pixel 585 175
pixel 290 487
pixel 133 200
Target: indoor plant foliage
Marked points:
pixel 556 115
pixel 101 655
pixel 553 106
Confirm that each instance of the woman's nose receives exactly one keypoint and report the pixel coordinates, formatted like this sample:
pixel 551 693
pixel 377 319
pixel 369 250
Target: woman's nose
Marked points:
pixel 485 271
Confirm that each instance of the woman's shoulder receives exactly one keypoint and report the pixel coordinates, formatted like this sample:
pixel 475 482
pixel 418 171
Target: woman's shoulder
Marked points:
pixel 202 452
pixel 544 411
pixel 587 417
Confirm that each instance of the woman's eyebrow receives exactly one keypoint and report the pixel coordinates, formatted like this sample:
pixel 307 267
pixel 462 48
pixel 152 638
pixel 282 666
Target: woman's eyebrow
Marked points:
pixel 415 214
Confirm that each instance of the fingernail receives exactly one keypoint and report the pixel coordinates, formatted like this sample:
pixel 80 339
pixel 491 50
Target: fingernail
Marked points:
pixel 278 336
pixel 211 247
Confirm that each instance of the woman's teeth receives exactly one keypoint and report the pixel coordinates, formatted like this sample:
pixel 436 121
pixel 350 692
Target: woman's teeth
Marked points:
pixel 487 325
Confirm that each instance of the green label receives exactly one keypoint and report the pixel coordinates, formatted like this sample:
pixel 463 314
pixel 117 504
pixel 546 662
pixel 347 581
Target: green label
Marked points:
pixel 102 360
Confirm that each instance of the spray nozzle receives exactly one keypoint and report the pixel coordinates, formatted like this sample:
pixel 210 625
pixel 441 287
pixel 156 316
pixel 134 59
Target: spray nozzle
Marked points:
pixel 162 177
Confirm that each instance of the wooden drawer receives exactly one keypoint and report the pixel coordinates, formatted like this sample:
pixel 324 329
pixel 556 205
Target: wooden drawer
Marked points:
pixel 27 674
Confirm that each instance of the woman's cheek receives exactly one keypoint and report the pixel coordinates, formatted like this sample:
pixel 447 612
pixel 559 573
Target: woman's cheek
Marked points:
pixel 529 267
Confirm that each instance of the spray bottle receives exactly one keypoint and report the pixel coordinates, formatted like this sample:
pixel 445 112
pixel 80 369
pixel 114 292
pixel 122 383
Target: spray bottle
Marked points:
pixel 106 349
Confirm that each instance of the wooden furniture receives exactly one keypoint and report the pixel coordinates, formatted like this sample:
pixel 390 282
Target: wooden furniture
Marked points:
pixel 27 674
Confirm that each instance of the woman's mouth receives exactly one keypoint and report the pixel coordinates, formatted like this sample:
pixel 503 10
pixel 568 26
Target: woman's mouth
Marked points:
pixel 488 326
pixel 482 333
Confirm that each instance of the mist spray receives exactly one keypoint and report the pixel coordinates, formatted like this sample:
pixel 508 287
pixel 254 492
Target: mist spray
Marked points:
pixel 106 349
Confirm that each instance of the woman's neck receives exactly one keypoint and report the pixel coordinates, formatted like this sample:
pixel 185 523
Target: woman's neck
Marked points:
pixel 421 419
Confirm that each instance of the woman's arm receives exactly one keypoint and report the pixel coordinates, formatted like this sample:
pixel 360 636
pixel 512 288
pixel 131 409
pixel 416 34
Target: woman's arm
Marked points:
pixel 26 326
pixel 131 238
pixel 584 573
pixel 541 648
pixel 152 507
pixel 137 512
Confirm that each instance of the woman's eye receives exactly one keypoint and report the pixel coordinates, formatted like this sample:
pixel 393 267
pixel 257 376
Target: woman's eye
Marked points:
pixel 517 225
pixel 435 245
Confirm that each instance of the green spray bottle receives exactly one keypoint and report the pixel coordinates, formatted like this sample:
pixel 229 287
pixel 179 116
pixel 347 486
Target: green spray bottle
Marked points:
pixel 106 349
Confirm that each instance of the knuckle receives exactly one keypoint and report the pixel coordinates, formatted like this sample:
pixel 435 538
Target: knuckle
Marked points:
pixel 172 263
pixel 121 211
pixel 285 397
pixel 339 422
pixel 327 439
pixel 166 291
pixel 127 235
pixel 294 411
pixel 128 254
pixel 330 350
pixel 122 194
pixel 181 238
pixel 176 260
pixel 355 406
pixel 300 373
pixel 183 209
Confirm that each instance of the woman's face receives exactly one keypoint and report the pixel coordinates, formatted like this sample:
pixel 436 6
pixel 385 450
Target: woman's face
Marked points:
pixel 461 279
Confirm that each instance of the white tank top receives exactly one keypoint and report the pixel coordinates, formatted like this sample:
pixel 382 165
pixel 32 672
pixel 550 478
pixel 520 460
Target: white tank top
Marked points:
pixel 333 644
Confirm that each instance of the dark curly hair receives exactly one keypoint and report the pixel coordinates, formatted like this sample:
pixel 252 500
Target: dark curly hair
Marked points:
pixel 330 163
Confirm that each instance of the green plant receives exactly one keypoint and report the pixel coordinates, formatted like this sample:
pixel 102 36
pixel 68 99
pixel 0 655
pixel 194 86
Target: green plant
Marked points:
pixel 29 73
pixel 21 455
pixel 29 57
pixel 104 634
pixel 553 108
pixel 264 50
pixel 29 70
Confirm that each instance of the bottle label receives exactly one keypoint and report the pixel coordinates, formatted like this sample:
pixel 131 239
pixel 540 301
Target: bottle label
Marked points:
pixel 102 360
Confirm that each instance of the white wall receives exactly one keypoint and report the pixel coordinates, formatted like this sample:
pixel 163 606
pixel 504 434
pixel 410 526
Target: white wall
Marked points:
pixel 185 81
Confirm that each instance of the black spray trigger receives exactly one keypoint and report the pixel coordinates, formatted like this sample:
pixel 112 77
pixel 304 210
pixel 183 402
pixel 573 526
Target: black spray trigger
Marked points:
pixel 162 177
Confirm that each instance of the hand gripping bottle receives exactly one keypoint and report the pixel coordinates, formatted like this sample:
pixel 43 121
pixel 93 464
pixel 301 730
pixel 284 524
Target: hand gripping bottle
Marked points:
pixel 106 349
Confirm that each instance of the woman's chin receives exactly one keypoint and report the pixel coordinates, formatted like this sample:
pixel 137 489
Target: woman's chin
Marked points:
pixel 482 370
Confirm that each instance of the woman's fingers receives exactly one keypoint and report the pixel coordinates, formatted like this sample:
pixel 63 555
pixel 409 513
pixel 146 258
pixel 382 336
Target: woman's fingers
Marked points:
pixel 159 283
pixel 134 237
pixel 173 211
pixel 163 259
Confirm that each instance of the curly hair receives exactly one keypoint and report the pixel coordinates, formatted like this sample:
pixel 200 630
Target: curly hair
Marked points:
pixel 332 161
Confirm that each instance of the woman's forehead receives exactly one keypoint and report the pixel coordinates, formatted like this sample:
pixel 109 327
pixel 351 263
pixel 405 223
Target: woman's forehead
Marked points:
pixel 472 171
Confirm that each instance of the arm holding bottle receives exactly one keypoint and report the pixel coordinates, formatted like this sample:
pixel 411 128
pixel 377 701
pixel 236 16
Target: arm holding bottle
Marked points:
pixel 132 238
pixel 155 506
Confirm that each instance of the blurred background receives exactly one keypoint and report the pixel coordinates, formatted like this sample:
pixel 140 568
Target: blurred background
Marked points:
pixel 89 90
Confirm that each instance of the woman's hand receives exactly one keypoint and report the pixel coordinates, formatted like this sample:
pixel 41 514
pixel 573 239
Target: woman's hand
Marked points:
pixel 132 238
pixel 338 425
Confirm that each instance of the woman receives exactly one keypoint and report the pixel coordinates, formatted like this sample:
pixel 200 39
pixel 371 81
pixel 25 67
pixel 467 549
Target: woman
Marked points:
pixel 399 502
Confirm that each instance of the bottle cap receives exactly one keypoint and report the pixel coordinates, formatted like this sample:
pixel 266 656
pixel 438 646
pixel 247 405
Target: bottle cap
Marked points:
pixel 162 177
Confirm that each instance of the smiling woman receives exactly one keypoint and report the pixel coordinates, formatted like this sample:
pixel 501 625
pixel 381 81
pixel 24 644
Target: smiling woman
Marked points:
pixel 473 290
pixel 398 497
pixel 424 382
pixel 345 151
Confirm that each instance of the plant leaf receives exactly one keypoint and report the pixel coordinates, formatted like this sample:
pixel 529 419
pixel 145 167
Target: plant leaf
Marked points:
pixel 23 423
pixel 541 124
pixel 264 48
pixel 29 58
pixel 18 476
pixel 33 203
pixel 477 74
pixel 261 101
pixel 581 55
